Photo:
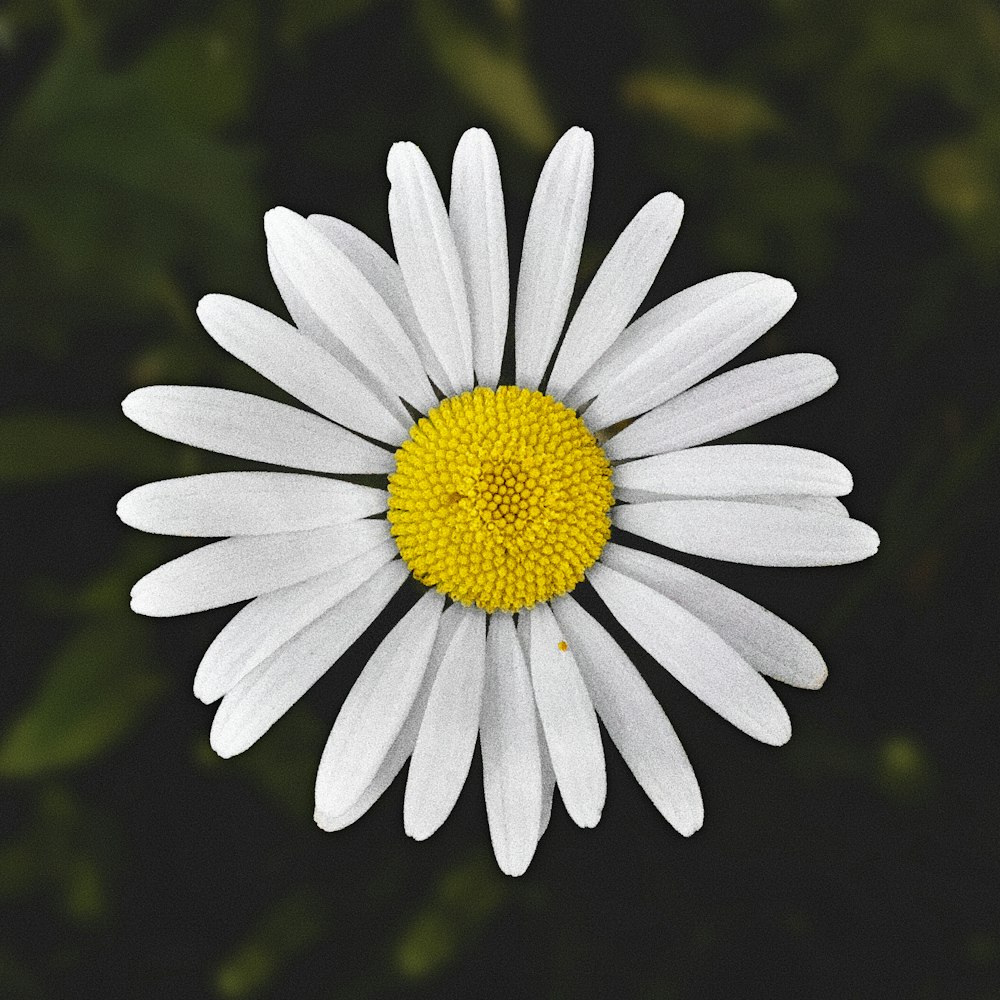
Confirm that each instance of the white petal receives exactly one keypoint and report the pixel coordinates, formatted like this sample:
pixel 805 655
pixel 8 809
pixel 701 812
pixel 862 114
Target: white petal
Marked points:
pixel 633 718
pixel 770 645
pixel 553 239
pixel 384 275
pixel 235 423
pixel 236 569
pixel 797 501
pixel 447 738
pixel 404 743
pixel 305 320
pixel 270 620
pixel 548 778
pixel 734 470
pixel 545 758
pixel 681 341
pixel 425 248
pixel 264 694
pixel 695 654
pixel 752 533
pixel 568 719
pixel 316 331
pixel 617 290
pixel 821 505
pixel 377 707
pixel 644 333
pixel 512 773
pixel 246 503
pixel 729 402
pixel 477 219
pixel 296 364
pixel 349 308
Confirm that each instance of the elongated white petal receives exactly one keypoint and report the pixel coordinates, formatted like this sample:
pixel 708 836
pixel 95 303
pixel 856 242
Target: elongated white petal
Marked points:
pixel 477 219
pixel 633 718
pixel 734 470
pixel 545 758
pixel 617 290
pixel 678 343
pixel 316 331
pixel 376 709
pixel 643 334
pixel 553 239
pixel 235 423
pixel 270 620
pixel 246 503
pixel 447 739
pixel 385 276
pixel 572 735
pixel 819 505
pixel 350 309
pixel 797 501
pixel 512 773
pixel 770 645
pixel 729 402
pixel 305 320
pixel 752 533
pixel 404 743
pixel 548 778
pixel 425 248
pixel 695 654
pixel 264 694
pixel 236 569
pixel 296 364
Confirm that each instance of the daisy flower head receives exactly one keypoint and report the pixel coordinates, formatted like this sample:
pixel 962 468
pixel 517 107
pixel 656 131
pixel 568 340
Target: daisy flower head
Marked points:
pixel 508 471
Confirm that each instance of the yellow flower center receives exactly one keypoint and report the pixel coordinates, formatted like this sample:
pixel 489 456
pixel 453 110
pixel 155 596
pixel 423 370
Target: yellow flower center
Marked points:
pixel 500 498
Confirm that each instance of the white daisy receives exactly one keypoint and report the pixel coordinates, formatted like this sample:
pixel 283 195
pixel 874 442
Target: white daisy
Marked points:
pixel 500 500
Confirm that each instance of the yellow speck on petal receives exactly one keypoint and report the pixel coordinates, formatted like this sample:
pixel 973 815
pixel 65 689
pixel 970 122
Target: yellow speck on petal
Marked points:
pixel 500 499
pixel 563 645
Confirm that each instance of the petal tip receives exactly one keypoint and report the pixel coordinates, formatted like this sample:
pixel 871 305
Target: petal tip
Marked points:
pixel 278 219
pixel 416 830
pixel 690 825
pixel 784 292
pixel 324 820
pixel 224 744
pixel 132 402
pixel 514 867
pixel 780 734
pixel 818 679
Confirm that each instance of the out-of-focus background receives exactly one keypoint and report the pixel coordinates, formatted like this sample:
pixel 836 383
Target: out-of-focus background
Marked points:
pixel 853 148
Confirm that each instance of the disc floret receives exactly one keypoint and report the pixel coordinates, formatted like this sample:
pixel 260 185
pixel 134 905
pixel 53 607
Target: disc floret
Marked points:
pixel 500 498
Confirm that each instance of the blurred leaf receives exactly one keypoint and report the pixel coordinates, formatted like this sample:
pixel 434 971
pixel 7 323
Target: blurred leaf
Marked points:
pixel 925 507
pixel 66 850
pixel 495 80
pixel 289 930
pixel 302 18
pixel 783 217
pixel 92 695
pixel 704 108
pixel 116 177
pixel 961 180
pixel 282 764
pixel 467 897
pixel 39 447
pixel 903 768
pixel 204 73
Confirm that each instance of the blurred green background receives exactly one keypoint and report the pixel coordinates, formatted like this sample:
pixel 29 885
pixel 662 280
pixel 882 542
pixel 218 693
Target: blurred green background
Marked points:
pixel 853 148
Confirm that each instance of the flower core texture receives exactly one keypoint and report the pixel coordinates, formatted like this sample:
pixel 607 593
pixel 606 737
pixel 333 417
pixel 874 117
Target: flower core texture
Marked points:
pixel 500 498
